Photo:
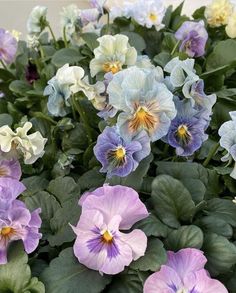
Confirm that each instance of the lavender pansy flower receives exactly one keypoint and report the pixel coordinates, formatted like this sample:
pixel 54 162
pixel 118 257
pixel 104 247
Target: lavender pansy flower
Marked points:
pixel 144 102
pixel 89 15
pixel 183 273
pixel 100 245
pixel 10 189
pixel 17 223
pixel 99 4
pixel 10 168
pixel 119 156
pixel 227 132
pixel 58 104
pixel 187 130
pixel 193 37
pixel 8 46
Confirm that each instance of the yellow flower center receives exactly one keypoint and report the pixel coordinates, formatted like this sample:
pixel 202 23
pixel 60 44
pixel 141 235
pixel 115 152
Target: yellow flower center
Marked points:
pixel 3 171
pixel 5 231
pixel 183 290
pixel 182 130
pixel 107 237
pixel 113 66
pixel 142 118
pixel 153 17
pixel 120 153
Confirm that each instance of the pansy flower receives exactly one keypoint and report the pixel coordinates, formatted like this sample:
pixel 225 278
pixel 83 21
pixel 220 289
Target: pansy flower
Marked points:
pixel 183 273
pixel 187 129
pixel 10 168
pixel 37 20
pixel 119 156
pixel 218 12
pixel 193 37
pixel 145 103
pixel 227 133
pixel 112 54
pixel 8 46
pixel 100 244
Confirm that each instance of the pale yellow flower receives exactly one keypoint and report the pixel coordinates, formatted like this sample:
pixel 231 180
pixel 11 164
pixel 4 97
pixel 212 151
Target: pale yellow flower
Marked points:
pixel 16 34
pixel 218 12
pixel 231 26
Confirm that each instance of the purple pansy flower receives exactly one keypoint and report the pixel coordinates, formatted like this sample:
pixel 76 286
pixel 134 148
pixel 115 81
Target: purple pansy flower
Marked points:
pixel 10 168
pixel 183 273
pixel 17 223
pixel 31 73
pixel 99 244
pixel 118 156
pixel 187 129
pixel 8 46
pixel 194 37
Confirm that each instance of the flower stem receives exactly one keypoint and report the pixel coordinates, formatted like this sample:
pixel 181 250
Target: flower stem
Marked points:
pixel 83 117
pixel 211 154
pixel 64 37
pixel 174 49
pixel 52 33
pixel 108 24
pixel 3 65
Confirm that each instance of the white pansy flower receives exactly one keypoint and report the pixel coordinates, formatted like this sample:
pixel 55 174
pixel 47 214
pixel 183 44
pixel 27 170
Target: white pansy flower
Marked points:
pixel 218 12
pixel 19 143
pixel 69 17
pixel 227 132
pixel 231 26
pixel 37 20
pixel 33 41
pixel 112 54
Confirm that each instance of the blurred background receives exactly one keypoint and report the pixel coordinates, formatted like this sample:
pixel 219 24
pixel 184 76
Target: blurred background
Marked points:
pixel 14 13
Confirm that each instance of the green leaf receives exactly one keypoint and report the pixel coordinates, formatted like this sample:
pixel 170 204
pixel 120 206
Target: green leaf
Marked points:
pixel 62 231
pixel 66 55
pixel 221 254
pixel 5 119
pixel 213 224
pixel 135 40
pixel 162 59
pixel 152 226
pixel 222 55
pixel 34 184
pixel 66 275
pixel 126 283
pixel 91 179
pixel 48 205
pixel 185 236
pixel 135 179
pixel 64 188
pixel 222 209
pixel 91 40
pixel 155 256
pixel 20 87
pixel 172 201
pixel 199 13
pixel 15 276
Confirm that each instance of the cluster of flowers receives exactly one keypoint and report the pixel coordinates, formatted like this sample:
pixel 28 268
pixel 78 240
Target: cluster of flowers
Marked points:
pixel 100 244
pixel 16 221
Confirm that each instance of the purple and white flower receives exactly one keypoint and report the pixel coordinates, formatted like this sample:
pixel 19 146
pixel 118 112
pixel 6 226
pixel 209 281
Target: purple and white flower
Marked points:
pixel 119 156
pixel 183 273
pixel 193 37
pixel 10 168
pixel 8 46
pixel 187 129
pixel 100 245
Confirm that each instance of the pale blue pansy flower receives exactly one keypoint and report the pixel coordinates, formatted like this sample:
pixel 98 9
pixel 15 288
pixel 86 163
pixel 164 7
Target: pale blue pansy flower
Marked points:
pixel 227 133
pixel 145 103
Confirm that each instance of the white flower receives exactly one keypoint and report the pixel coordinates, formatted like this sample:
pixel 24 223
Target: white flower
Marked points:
pixel 69 17
pixel 33 41
pixel 234 200
pixel 73 76
pixel 218 12
pixel 149 13
pixel 227 132
pixel 37 20
pixel 143 61
pixel 112 54
pixel 20 143
pixel 231 26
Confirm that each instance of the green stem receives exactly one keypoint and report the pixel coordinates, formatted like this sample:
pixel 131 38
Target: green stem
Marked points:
pixel 64 37
pixel 41 52
pixel 83 117
pixel 53 36
pixel 108 23
pixel 174 49
pixel 211 154
pixel 3 65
